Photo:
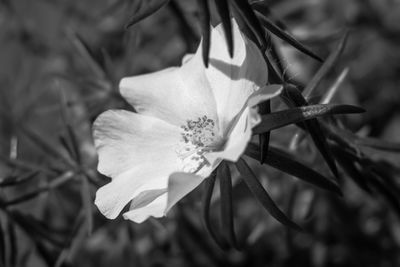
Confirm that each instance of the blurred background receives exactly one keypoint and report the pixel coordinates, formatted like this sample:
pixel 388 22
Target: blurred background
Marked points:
pixel 60 64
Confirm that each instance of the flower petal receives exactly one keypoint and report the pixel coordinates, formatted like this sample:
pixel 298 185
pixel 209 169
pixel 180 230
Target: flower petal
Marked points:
pixel 264 94
pixel 239 130
pixel 179 185
pixel 138 152
pixel 174 94
pixel 155 209
pixel 124 139
pixel 238 137
pixel 234 79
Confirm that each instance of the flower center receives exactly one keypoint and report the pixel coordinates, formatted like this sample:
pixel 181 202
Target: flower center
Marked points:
pixel 198 137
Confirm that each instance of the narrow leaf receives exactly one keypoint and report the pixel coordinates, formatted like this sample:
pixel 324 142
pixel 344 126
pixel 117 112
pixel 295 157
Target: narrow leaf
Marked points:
pixel 87 203
pixel 17 180
pixel 313 127
pixel 285 162
pixel 204 17
pixel 264 138
pixel 329 63
pixel 270 26
pixel 56 182
pixel 262 195
pixel 209 187
pixel 223 10
pixel 225 180
pixel 295 115
pixel 262 7
pixel 145 11
pixel 348 165
pixel 245 11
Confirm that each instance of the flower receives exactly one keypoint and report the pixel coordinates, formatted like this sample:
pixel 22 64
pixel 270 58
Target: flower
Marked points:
pixel 188 120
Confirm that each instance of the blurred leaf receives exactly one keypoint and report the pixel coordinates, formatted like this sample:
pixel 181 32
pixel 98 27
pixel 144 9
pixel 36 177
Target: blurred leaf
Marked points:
pixel 72 144
pixel 149 8
pixel 87 203
pixel 34 228
pixel 270 26
pixel 262 195
pixel 282 118
pixel 223 11
pixel 204 17
pixel 209 187
pixel 46 146
pixel 287 163
pixel 26 166
pixel 327 98
pixel 263 8
pixel 227 217
pixel 56 182
pixel 329 63
pixel 86 53
pixel 17 180
pixel 12 244
pixel 348 165
pixel 391 194
pixel 72 241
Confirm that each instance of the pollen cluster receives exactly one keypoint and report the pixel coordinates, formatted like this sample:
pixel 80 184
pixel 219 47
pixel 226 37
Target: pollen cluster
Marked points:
pixel 198 136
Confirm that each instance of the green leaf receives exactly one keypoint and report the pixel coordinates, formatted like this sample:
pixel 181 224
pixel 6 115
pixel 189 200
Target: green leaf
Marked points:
pixel 223 11
pixel 225 180
pixel 145 11
pixel 287 163
pixel 204 17
pixel 262 195
pixel 282 118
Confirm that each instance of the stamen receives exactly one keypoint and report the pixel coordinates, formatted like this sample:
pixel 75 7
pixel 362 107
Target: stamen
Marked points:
pixel 198 137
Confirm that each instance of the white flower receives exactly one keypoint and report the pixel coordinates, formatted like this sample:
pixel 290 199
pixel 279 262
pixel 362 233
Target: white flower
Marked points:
pixel 188 120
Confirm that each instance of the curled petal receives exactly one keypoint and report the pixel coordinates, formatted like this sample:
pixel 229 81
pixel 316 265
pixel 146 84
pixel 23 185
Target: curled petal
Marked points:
pixel 240 128
pixel 179 185
pixel 234 79
pixel 153 209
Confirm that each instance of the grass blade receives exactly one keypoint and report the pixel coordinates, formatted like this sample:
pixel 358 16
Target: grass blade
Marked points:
pixel 148 9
